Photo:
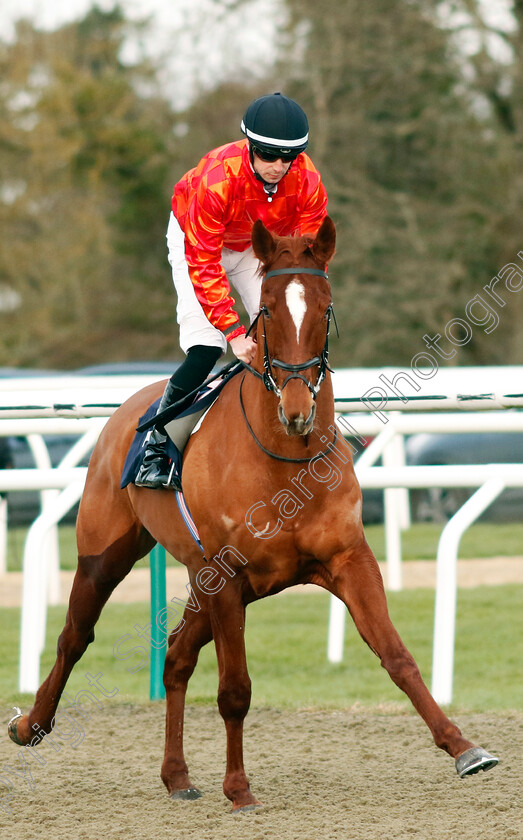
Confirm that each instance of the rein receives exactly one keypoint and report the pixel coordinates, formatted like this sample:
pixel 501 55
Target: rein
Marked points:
pixel 274 454
pixel 320 361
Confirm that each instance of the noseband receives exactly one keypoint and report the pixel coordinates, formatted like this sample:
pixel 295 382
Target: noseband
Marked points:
pixel 320 361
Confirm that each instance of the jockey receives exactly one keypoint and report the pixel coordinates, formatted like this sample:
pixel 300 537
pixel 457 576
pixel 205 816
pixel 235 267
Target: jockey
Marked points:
pixel 266 176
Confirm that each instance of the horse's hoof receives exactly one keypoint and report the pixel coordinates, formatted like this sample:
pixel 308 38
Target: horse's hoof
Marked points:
pixel 249 806
pixel 12 727
pixel 187 794
pixel 244 809
pixel 474 760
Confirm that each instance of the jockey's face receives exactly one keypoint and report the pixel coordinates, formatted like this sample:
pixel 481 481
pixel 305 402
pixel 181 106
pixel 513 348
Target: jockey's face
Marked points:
pixel 272 171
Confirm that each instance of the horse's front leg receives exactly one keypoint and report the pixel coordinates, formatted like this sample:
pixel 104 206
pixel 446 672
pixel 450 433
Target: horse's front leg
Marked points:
pixel 95 579
pixel 356 579
pixel 184 647
pixel 234 689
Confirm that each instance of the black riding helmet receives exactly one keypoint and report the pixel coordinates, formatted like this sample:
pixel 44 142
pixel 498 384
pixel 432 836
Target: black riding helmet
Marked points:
pixel 276 125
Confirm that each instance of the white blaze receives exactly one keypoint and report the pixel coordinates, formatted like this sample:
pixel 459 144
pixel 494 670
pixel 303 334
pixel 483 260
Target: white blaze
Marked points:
pixel 295 299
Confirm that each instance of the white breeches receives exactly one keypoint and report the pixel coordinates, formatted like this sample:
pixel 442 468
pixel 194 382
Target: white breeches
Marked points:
pixel 241 268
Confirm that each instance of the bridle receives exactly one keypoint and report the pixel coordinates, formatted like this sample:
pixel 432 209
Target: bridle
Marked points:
pixel 267 377
pixel 320 361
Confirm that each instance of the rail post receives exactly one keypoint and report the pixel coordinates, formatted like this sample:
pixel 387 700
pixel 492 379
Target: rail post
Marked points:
pixel 158 601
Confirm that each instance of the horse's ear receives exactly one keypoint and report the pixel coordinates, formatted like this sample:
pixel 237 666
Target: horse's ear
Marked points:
pixel 263 243
pixel 324 245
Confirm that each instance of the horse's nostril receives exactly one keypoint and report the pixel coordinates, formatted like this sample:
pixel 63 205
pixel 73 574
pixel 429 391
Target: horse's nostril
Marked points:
pixel 281 415
pixel 312 415
pixel 298 425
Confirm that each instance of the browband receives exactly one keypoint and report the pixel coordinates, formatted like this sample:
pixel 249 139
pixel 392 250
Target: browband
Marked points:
pixel 317 271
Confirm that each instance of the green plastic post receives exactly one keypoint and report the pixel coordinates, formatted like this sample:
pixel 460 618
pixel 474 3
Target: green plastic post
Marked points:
pixel 158 602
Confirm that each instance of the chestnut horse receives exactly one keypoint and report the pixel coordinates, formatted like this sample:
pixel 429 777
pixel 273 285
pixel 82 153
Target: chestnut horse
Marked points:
pixel 255 482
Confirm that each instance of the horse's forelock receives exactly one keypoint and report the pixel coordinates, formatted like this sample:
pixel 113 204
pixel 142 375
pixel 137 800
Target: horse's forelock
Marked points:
pixel 294 246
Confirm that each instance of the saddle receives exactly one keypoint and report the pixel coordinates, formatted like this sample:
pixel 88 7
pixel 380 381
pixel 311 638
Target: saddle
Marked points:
pixel 178 430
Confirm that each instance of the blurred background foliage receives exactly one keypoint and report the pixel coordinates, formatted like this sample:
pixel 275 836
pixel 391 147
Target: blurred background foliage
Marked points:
pixel 420 144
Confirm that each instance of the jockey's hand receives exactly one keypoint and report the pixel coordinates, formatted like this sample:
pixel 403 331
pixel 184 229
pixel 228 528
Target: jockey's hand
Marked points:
pixel 243 347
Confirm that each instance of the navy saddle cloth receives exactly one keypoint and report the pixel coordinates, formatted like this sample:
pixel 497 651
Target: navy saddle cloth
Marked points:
pixel 180 428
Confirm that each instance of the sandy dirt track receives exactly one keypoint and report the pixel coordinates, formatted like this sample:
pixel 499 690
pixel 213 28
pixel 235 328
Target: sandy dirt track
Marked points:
pixel 322 775
pixel 354 774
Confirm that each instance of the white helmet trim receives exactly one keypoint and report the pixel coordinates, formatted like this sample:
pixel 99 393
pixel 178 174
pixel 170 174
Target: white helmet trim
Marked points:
pixel 274 141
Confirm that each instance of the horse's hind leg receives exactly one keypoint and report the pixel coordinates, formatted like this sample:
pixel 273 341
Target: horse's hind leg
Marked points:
pixel 357 581
pixel 185 644
pixel 96 577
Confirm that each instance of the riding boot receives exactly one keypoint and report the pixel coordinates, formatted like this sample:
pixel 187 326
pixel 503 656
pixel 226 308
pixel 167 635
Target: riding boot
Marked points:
pixel 155 469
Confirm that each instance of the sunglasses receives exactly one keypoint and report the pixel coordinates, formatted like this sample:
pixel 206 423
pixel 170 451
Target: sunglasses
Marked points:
pixel 267 157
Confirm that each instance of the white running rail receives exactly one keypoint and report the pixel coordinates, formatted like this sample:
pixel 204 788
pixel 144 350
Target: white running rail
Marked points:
pixel 81 405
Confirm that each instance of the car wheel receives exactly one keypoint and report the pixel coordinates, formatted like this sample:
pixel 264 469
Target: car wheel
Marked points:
pixel 437 504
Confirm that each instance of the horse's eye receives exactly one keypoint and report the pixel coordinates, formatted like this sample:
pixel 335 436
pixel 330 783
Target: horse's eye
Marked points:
pixel 264 311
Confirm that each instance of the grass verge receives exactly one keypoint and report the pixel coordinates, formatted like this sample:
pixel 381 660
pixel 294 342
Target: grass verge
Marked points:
pixel 286 648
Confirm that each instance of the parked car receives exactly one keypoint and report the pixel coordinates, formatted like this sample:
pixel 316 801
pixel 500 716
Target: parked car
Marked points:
pixel 433 504
pixel 24 506
pixel 128 369
pixel 439 504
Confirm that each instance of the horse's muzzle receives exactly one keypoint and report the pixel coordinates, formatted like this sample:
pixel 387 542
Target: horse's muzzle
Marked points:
pixel 297 425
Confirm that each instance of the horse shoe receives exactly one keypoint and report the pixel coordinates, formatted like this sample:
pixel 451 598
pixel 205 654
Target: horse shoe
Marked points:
pixel 187 794
pixel 472 761
pixel 11 726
